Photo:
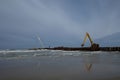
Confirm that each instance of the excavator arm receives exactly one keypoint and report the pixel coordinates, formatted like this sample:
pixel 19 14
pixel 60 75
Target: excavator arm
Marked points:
pixel 87 35
pixel 94 46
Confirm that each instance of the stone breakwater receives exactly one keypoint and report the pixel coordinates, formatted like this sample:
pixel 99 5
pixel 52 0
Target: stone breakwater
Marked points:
pixel 81 48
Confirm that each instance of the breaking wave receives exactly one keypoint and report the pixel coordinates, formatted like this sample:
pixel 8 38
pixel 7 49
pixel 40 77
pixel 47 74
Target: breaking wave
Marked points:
pixel 51 53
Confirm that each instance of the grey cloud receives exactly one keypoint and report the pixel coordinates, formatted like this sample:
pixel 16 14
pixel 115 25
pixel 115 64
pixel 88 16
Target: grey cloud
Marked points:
pixel 57 20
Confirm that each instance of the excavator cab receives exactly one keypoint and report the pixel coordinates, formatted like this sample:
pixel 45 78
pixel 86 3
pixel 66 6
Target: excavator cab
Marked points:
pixel 94 46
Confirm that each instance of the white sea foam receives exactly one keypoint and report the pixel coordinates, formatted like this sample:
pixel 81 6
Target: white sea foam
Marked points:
pixel 51 53
pixel 19 51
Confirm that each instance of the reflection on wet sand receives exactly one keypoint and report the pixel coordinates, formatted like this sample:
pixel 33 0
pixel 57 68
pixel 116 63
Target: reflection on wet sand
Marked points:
pixel 88 67
pixel 88 62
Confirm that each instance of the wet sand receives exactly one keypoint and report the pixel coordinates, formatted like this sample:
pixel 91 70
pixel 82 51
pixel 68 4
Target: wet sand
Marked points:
pixel 85 67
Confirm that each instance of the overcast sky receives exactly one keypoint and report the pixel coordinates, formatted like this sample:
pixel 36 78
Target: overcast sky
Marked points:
pixel 57 22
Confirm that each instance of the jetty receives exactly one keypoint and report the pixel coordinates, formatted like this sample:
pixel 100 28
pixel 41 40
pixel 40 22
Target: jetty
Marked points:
pixel 85 48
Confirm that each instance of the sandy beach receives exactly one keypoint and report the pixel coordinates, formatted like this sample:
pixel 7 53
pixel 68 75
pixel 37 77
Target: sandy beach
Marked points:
pixel 59 65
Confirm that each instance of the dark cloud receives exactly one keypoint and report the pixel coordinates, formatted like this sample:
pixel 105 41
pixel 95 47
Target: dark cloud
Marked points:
pixel 57 22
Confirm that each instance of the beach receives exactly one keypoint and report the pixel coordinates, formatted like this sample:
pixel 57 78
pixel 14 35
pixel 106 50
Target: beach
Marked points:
pixel 59 65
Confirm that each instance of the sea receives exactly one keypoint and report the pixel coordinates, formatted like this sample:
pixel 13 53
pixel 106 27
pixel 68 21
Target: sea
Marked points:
pixel 59 65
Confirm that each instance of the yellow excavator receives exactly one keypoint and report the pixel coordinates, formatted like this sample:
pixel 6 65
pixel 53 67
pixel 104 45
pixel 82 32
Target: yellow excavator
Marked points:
pixel 94 46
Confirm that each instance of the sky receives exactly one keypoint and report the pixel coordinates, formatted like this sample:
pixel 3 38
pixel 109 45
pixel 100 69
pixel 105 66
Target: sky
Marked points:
pixel 56 22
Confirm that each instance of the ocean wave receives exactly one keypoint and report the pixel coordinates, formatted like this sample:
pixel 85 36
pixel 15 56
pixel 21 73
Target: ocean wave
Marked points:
pixel 50 53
